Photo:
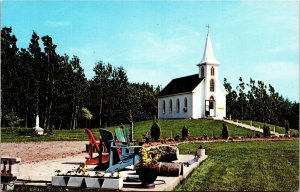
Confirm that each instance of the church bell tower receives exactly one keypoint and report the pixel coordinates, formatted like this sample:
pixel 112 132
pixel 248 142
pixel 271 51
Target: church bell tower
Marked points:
pixel 208 69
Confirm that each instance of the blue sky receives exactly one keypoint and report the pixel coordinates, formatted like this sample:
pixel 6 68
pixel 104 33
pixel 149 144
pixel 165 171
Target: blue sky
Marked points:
pixel 156 41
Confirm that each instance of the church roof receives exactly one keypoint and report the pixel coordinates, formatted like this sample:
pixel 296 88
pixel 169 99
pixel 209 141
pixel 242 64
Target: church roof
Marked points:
pixel 181 85
pixel 208 55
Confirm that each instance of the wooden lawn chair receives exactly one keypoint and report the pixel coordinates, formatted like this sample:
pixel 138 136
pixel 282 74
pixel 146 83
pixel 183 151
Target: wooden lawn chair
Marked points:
pixel 93 143
pixel 122 138
pixel 117 161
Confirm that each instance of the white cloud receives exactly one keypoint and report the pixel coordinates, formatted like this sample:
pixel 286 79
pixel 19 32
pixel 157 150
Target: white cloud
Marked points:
pixel 285 48
pixel 162 51
pixel 278 70
pixel 57 23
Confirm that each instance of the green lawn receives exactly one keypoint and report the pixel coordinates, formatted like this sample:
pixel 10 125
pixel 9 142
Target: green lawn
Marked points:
pixel 169 128
pixel 277 128
pixel 197 128
pixel 245 166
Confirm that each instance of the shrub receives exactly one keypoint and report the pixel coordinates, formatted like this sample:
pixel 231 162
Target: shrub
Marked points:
pixel 267 132
pixel 146 137
pixel 26 132
pixel 184 132
pixel 177 138
pixel 257 134
pixel 155 131
pixel 287 128
pixel 225 133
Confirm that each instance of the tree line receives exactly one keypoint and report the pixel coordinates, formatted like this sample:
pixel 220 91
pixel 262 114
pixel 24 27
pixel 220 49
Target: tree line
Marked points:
pixel 38 80
pixel 260 102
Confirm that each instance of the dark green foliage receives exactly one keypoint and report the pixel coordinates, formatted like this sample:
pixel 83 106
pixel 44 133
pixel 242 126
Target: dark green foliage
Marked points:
pixel 26 131
pixel 115 97
pixel 12 119
pixel 287 128
pixel 155 131
pixel 267 132
pixel 37 80
pixel 258 135
pixel 260 103
pixel 225 133
pixel 184 132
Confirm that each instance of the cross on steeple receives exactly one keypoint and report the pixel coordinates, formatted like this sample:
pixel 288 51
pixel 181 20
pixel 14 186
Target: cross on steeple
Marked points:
pixel 208 55
pixel 207 28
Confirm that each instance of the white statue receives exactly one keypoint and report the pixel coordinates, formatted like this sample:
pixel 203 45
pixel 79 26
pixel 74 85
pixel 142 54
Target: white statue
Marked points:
pixel 37 121
pixel 38 129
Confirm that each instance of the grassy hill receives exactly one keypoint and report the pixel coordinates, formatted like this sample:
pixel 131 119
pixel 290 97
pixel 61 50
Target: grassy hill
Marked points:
pixel 169 128
pixel 197 128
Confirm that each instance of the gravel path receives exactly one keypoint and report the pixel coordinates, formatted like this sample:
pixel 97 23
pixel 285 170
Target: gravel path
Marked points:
pixel 40 151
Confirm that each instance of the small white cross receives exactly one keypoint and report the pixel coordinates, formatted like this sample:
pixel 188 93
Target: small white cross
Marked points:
pixel 207 28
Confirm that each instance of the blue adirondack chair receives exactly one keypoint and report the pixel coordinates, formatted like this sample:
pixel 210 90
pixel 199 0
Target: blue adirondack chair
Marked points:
pixel 129 154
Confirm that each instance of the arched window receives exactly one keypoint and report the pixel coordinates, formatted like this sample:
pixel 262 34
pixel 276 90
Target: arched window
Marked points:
pixel 164 107
pixel 202 71
pixel 212 71
pixel 171 106
pixel 185 105
pixel 178 106
pixel 212 85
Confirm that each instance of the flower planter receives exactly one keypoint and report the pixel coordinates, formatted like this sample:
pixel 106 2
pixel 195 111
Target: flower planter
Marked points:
pixel 88 182
pixel 76 182
pixel 148 175
pixel 93 182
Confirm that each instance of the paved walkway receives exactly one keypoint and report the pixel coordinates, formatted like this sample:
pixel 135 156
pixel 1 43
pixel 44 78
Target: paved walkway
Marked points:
pixel 252 127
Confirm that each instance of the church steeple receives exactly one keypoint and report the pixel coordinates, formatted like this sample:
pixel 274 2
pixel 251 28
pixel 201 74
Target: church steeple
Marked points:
pixel 208 55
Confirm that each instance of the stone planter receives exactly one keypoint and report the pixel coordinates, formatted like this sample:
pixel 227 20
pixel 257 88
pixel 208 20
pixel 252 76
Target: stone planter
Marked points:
pixel 88 182
pixel 201 152
pixel 76 182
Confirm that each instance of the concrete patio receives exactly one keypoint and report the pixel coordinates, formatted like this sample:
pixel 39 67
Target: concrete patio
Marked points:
pixel 41 173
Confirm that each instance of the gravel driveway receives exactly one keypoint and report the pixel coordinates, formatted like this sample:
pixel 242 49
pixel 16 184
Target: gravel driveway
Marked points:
pixel 40 151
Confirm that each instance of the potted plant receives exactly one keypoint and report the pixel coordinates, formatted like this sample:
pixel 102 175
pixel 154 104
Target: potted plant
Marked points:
pixel 148 168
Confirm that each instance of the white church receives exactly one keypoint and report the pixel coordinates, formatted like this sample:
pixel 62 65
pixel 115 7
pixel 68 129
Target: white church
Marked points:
pixel 195 96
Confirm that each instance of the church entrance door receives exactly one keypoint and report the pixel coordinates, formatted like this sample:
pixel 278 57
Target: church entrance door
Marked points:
pixel 210 108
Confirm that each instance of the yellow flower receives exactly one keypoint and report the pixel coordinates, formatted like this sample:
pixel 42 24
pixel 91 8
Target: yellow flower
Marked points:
pixel 147 160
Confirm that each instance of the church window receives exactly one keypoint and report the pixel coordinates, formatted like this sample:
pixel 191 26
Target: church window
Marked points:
pixel 212 71
pixel 164 107
pixel 212 85
pixel 185 105
pixel 202 71
pixel 178 106
pixel 171 106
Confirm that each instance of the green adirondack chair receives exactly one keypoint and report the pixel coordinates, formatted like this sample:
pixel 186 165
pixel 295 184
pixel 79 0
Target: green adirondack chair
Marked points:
pixel 129 155
pixel 122 136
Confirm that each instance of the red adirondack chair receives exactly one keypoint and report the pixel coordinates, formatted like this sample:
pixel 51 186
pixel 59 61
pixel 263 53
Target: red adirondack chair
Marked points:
pixel 90 160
